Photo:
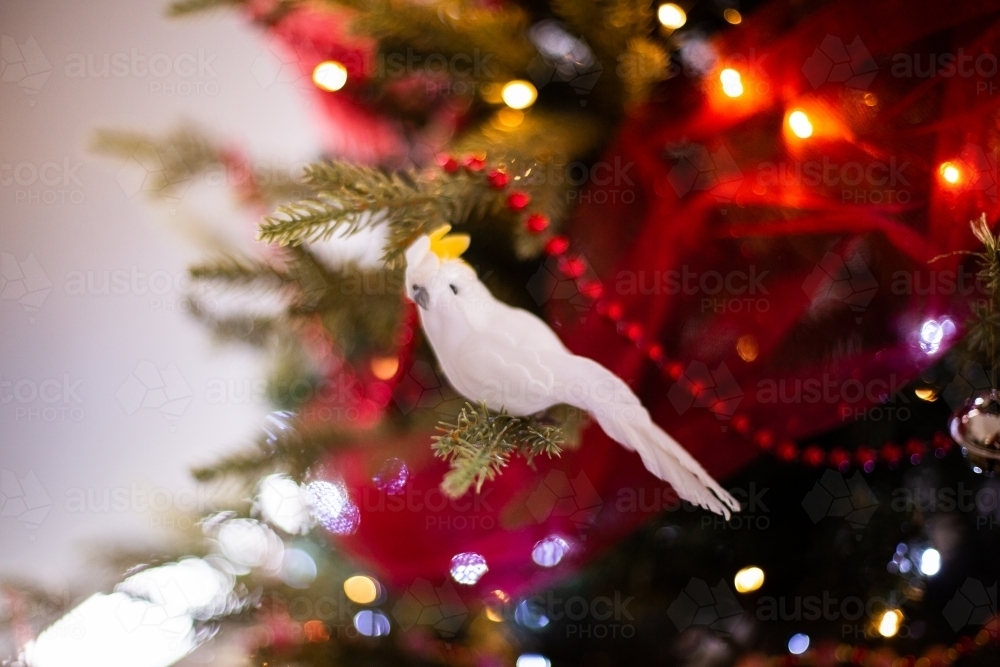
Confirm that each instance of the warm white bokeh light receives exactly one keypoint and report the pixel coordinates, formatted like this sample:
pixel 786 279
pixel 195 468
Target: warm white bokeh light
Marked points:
pixel 671 16
pixel 519 94
pixel 800 124
pixel 732 84
pixel 951 173
pixel 330 75
pixel 889 624
pixel 749 579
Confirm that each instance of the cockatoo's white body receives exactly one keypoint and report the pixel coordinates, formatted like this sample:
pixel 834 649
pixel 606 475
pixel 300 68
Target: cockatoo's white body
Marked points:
pixel 511 359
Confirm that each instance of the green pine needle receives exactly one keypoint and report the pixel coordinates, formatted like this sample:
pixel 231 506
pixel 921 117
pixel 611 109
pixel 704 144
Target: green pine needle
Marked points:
pixel 480 443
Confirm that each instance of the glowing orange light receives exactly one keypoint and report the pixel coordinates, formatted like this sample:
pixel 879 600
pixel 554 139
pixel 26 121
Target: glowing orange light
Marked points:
pixel 384 368
pixel 732 83
pixel 951 173
pixel 361 589
pixel 732 16
pixel 316 631
pixel 747 347
pixel 800 124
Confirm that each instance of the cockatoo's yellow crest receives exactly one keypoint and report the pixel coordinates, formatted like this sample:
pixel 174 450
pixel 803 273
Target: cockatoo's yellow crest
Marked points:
pixel 448 246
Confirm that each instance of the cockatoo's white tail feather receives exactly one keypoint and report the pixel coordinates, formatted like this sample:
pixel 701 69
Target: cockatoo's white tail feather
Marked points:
pixel 622 416
pixel 659 453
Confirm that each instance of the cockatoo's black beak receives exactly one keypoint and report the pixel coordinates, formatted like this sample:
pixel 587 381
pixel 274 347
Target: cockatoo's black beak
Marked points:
pixel 421 296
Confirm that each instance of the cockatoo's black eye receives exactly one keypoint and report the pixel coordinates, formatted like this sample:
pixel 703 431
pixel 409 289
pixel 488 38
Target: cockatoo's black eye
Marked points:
pixel 454 289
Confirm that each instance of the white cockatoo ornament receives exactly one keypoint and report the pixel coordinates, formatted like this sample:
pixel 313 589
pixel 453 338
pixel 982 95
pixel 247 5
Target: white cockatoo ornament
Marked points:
pixel 510 359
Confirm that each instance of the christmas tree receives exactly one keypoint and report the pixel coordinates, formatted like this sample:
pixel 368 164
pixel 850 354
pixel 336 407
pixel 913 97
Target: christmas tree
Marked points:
pixel 758 217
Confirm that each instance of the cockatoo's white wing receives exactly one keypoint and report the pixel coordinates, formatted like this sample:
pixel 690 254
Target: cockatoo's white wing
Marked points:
pixel 494 368
pixel 527 329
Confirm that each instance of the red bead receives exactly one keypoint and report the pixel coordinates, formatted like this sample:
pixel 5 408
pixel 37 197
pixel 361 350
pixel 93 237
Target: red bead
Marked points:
pixel 787 451
pixel 742 424
pixel 891 453
pixel 942 444
pixel 475 163
pixel 915 449
pixel 497 179
pixel 572 267
pixel 592 289
pixel 655 352
pixel 537 223
pixel 814 455
pixel 615 311
pixel 633 332
pixel 764 439
pixel 556 245
pixel 448 163
pixel 840 459
pixel 864 457
pixel 675 370
pixel 518 201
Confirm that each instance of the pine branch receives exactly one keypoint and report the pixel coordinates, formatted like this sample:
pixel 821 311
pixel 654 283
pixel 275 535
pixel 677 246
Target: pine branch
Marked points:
pixel 292 452
pixel 238 270
pixel 495 35
pixel 254 331
pixel 170 163
pixel 480 443
pixel 351 198
pixel 360 308
pixel 619 33
pixel 186 7
pixel 981 338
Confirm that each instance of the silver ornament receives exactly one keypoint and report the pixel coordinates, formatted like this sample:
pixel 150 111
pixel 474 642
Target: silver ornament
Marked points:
pixel 976 427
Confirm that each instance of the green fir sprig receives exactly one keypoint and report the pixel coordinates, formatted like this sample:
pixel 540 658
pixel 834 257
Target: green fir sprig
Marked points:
pixel 351 198
pixel 480 443
pixel 981 337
